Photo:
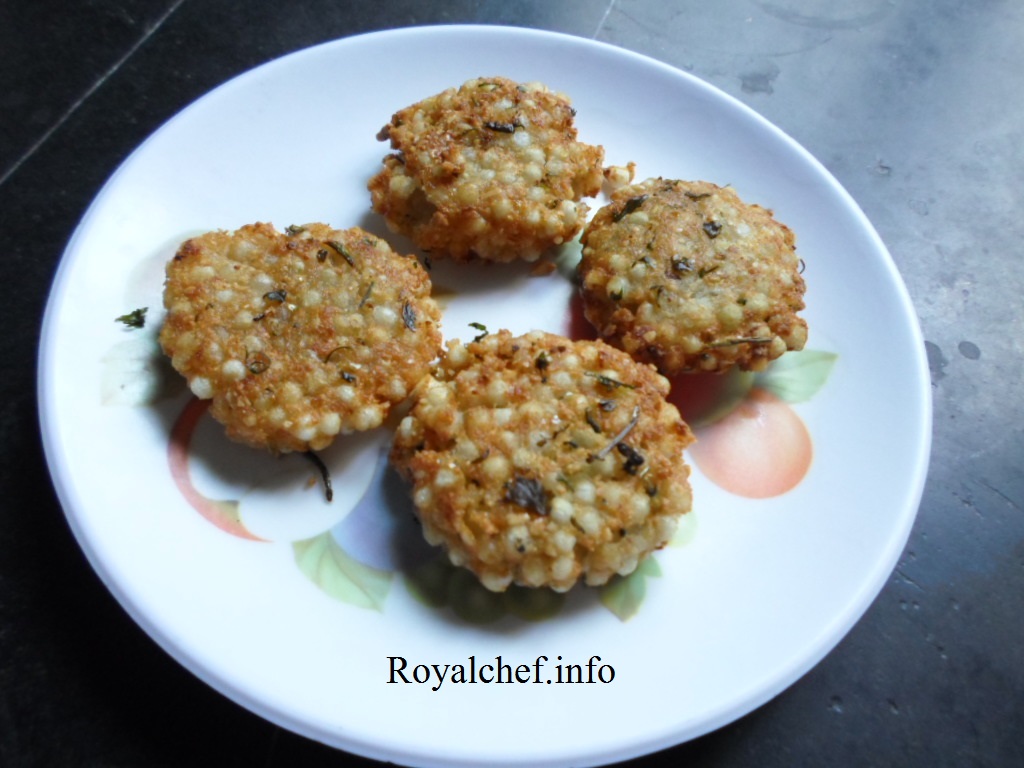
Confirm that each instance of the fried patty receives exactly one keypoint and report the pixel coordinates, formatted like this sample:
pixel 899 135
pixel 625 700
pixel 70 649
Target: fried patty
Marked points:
pixel 491 170
pixel 542 461
pixel 299 336
pixel 688 277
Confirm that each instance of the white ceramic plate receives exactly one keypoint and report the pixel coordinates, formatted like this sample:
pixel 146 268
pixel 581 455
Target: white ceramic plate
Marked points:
pixel 299 626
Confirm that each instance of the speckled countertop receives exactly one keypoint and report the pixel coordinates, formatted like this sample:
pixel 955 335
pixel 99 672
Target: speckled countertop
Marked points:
pixel 914 106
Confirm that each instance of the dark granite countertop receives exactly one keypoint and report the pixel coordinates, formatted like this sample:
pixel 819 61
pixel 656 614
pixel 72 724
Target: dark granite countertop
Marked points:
pixel 914 106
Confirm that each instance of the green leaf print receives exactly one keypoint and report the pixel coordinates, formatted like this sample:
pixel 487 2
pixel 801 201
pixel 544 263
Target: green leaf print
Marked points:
pixel 136 372
pixel 797 376
pixel 624 594
pixel 339 574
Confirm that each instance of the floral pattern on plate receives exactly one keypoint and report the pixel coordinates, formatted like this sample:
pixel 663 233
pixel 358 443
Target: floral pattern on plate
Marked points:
pixel 750 442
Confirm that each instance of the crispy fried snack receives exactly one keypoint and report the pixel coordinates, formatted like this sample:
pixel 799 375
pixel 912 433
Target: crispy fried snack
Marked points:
pixel 686 276
pixel 490 170
pixel 542 461
pixel 298 336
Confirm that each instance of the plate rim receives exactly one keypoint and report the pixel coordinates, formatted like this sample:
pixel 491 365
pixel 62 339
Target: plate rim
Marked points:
pixel 781 679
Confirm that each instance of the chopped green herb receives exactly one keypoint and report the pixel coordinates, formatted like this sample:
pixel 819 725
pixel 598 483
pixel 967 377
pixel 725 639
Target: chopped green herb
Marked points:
pixel 630 206
pixel 619 437
pixel 340 248
pixel 608 381
pixel 680 264
pixel 705 271
pixel 324 474
pixel 294 229
pixel 501 127
pixel 134 319
pixel 712 229
pixel 322 255
pixel 527 492
pixel 607 405
pixel 592 421
pixel 480 327
pixel 257 363
pixel 409 316
pixel 278 296
pixel 349 377
pixel 633 457
pixel 542 361
pixel 366 295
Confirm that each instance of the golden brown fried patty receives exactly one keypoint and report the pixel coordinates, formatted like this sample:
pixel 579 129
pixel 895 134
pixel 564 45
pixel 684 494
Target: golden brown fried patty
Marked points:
pixel 298 336
pixel 539 460
pixel 686 276
pixel 492 169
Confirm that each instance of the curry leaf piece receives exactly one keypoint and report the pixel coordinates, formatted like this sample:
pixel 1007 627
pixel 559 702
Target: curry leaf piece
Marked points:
pixel 340 575
pixel 797 376
pixel 527 492
pixel 134 319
